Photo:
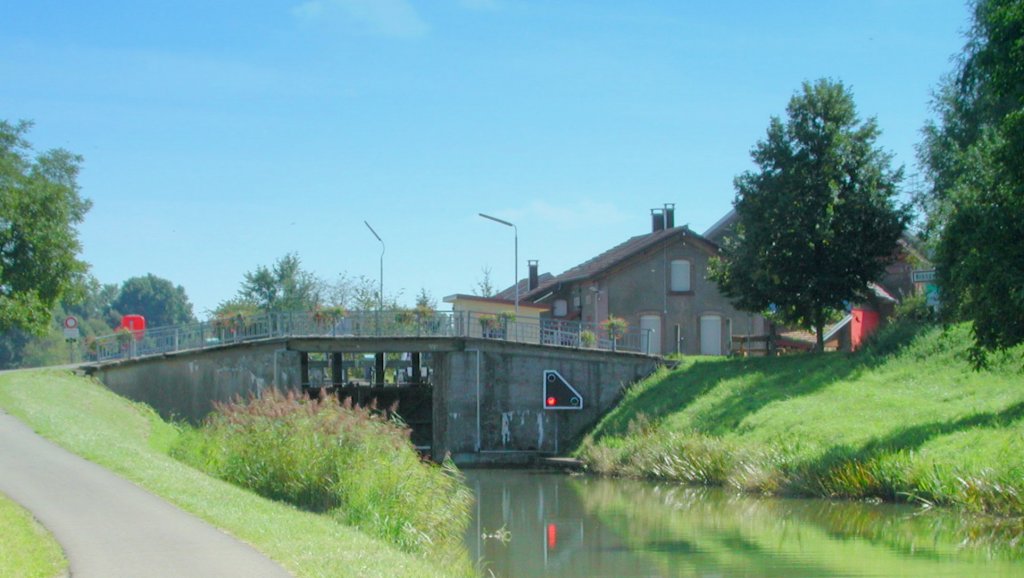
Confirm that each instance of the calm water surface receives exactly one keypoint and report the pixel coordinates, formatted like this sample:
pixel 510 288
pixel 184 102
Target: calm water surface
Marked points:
pixel 546 524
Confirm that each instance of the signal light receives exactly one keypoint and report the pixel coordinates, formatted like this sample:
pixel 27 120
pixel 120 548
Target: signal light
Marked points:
pixel 558 393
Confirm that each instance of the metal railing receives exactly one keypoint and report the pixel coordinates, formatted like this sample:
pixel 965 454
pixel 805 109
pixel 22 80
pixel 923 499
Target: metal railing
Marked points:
pixel 397 323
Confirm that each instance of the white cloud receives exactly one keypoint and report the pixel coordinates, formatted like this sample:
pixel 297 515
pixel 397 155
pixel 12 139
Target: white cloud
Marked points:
pixel 397 18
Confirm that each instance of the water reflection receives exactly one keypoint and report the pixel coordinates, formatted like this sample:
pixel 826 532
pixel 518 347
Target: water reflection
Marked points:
pixel 544 524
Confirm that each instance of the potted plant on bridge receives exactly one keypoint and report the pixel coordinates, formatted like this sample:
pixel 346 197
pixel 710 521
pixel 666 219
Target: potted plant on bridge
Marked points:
pixel 616 328
pixel 588 339
pixel 490 327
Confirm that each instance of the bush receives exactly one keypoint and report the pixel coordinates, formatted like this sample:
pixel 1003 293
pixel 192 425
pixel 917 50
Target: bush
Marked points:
pixel 331 457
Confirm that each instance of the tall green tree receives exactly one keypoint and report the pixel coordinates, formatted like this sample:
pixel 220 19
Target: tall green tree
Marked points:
pixel 157 299
pixel 40 207
pixel 285 286
pixel 973 156
pixel 817 222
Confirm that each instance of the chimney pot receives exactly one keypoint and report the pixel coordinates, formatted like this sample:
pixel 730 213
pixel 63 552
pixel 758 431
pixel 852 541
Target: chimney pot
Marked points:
pixel 657 220
pixel 670 215
pixel 533 279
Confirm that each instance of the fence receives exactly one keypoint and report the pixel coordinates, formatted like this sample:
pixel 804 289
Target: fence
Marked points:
pixel 400 323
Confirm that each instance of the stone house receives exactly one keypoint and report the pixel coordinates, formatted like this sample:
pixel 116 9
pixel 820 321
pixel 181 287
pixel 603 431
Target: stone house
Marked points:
pixel 658 283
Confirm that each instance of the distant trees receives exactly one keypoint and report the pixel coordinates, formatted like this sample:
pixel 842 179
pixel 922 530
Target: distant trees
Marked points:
pixel 40 207
pixel 485 287
pixel 973 157
pixel 817 221
pixel 156 299
pixel 287 286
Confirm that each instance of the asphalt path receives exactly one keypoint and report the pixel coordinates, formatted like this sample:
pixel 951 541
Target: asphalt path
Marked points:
pixel 108 526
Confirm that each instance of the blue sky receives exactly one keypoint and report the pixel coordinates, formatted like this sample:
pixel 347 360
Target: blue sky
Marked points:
pixel 220 135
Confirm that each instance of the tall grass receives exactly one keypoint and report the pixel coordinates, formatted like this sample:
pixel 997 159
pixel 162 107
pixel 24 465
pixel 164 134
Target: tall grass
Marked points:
pixel 907 419
pixel 324 456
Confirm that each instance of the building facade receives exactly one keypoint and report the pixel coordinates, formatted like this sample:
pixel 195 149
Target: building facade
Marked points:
pixel 658 284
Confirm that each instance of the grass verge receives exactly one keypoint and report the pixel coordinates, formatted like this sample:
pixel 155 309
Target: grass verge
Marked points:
pixel 131 440
pixel 908 419
pixel 27 550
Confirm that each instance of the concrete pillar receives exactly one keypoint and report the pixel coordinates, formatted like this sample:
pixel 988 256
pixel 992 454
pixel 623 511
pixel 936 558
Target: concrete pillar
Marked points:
pixel 304 369
pixel 379 368
pixel 337 370
pixel 416 371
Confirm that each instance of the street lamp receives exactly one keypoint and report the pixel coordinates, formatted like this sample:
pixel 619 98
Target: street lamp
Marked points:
pixel 380 296
pixel 516 232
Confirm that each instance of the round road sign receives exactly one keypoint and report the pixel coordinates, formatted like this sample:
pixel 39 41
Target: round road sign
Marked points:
pixel 70 322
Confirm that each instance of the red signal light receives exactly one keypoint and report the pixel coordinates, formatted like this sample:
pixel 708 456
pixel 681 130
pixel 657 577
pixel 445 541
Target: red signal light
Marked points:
pixel 552 401
pixel 552 536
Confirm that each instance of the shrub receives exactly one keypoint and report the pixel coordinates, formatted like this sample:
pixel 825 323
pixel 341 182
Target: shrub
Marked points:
pixel 331 457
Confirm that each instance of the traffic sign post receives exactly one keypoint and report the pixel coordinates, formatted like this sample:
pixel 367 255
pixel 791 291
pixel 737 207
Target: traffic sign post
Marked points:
pixel 71 328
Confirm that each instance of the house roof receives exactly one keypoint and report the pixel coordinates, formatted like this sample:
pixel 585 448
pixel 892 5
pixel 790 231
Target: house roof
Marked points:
pixel 881 294
pixel 722 227
pixel 620 254
pixel 524 286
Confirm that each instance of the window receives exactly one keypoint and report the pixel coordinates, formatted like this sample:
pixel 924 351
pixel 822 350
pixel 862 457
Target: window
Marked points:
pixel 680 277
pixel 561 308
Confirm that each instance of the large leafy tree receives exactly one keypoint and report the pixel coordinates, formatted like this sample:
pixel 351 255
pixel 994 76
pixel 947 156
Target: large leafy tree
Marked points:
pixel 974 160
pixel 157 299
pixel 39 210
pixel 817 222
pixel 285 286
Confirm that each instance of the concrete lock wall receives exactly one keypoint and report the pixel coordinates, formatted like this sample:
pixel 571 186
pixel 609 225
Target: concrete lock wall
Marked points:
pixel 185 385
pixel 488 395
pixel 493 406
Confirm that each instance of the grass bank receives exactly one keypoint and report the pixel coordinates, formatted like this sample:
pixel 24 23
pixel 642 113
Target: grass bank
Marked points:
pixel 131 440
pixel 27 550
pixel 907 419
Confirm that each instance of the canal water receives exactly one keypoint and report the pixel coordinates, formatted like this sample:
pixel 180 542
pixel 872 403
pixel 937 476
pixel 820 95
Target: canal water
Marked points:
pixel 550 524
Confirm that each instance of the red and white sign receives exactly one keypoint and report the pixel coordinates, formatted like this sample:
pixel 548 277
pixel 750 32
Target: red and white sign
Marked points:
pixel 70 327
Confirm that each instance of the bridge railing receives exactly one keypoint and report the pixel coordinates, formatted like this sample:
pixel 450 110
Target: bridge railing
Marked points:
pixel 399 323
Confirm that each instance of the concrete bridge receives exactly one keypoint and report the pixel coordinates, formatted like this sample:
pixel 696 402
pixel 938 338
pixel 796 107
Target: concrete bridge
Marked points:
pixel 482 400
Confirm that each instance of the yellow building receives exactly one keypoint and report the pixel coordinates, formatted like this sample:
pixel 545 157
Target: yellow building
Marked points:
pixel 493 318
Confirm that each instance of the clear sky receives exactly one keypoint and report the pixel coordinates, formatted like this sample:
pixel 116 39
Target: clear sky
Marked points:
pixel 219 135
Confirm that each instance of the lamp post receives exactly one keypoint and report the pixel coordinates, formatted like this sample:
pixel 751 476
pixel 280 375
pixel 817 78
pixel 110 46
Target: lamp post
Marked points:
pixel 516 233
pixel 380 295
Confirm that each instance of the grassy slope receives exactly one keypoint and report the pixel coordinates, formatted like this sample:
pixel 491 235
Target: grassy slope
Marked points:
pixel 27 550
pixel 888 423
pixel 131 440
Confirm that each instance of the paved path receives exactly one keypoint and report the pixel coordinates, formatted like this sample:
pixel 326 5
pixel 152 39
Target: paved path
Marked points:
pixel 109 527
